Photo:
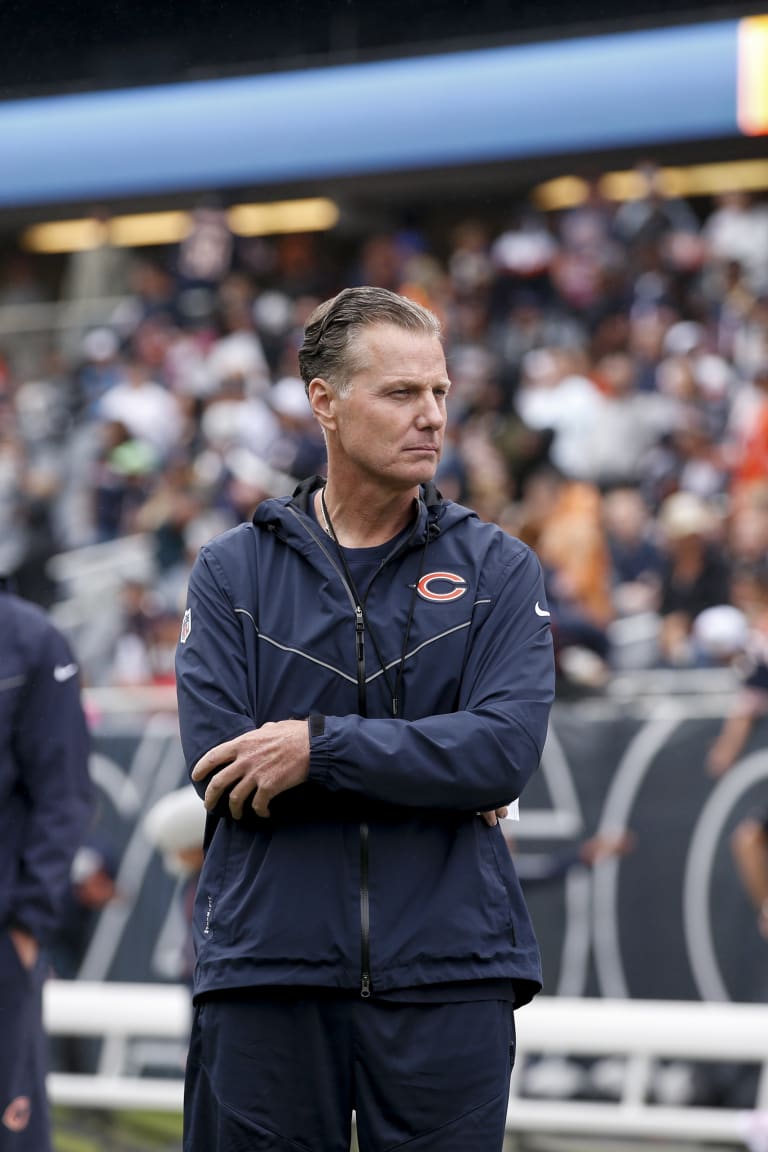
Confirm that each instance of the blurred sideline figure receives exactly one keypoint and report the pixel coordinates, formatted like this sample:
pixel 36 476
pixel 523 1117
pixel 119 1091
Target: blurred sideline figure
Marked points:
pixel 749 844
pixel 91 888
pixel 542 868
pixel 741 636
pixel 175 826
pixel 46 802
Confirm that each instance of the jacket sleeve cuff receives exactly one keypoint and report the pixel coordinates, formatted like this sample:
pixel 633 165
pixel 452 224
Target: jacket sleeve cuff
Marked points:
pixel 319 755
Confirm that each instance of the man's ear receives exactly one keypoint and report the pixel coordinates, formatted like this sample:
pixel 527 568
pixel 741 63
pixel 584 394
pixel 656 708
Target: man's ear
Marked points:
pixel 322 401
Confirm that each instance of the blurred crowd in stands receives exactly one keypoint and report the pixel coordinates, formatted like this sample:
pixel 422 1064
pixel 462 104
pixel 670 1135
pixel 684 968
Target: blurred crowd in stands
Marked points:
pixel 609 406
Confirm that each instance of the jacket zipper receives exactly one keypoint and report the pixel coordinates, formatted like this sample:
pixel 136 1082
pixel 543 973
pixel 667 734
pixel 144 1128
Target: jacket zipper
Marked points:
pixel 360 654
pixel 365 904
pixel 365 917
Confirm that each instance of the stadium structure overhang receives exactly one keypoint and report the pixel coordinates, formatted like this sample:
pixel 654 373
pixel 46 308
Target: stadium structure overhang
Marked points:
pixel 643 90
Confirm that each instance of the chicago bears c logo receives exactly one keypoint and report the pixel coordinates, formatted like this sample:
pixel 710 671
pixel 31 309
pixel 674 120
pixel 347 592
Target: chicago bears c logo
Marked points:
pixel 17 1114
pixel 423 587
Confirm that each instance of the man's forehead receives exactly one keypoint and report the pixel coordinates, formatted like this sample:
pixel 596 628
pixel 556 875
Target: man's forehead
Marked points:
pixel 392 340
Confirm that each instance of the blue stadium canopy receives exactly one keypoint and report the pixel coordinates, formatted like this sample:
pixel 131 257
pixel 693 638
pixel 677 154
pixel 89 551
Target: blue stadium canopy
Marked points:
pixel 587 94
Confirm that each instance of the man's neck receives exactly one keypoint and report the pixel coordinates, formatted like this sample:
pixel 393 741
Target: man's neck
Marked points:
pixel 363 519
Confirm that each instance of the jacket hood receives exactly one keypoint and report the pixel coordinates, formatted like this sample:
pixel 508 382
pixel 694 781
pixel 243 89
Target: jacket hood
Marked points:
pixel 435 515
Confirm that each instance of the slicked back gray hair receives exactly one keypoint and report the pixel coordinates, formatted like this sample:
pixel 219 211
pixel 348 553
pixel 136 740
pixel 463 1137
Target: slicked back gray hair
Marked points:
pixel 330 346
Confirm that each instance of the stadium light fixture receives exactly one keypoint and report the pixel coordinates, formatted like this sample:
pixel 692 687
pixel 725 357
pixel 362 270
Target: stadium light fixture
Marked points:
pixel 316 214
pixel 142 229
pixel 65 236
pixel 630 184
pixel 752 110
pixel 146 228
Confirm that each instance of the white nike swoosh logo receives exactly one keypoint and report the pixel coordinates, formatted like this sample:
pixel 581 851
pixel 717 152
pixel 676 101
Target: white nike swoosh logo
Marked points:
pixel 540 611
pixel 64 672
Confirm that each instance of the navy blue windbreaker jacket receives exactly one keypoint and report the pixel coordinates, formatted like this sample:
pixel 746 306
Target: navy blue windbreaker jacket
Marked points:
pixel 45 789
pixel 377 873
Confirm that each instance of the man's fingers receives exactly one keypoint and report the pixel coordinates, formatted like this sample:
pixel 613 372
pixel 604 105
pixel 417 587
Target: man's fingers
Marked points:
pixel 260 803
pixel 492 818
pixel 221 754
pixel 216 787
pixel 235 804
pixel 212 795
pixel 277 753
pixel 238 797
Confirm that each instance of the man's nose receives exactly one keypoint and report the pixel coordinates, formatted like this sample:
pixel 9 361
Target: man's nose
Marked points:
pixel 431 412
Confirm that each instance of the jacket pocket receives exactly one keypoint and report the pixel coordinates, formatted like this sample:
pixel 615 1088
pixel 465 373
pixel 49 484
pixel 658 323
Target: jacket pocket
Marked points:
pixel 496 865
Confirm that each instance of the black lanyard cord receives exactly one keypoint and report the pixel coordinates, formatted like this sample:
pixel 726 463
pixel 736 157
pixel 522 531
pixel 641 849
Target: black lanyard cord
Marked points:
pixel 365 624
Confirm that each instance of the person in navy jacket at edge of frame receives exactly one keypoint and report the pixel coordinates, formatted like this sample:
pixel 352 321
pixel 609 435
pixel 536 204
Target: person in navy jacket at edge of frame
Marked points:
pixel 46 802
pixel 365 675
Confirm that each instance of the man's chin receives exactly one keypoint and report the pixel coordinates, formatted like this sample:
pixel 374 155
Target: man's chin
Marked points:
pixel 424 467
pixel 410 476
pixel 424 476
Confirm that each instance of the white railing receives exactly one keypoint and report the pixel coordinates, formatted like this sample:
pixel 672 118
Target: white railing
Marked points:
pixel 642 1032
pixel 639 1032
pixel 117 1013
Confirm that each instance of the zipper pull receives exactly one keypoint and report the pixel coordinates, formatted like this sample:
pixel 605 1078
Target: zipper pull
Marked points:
pixel 365 986
pixel 360 632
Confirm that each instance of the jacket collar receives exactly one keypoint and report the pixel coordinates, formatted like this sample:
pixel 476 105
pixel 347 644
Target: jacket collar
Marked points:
pixel 275 515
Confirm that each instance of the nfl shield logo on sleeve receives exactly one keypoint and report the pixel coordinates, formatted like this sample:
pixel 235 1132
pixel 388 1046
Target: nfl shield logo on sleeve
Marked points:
pixel 186 625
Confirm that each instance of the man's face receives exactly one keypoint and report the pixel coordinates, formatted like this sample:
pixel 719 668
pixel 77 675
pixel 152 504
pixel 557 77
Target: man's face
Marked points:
pixel 390 425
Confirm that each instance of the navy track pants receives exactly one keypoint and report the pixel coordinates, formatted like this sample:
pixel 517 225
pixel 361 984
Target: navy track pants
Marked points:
pixel 24 1123
pixel 285 1075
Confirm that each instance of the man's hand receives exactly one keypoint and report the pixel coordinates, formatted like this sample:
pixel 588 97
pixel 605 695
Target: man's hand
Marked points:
pixel 267 761
pixel 605 846
pixel 27 948
pixel 492 818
